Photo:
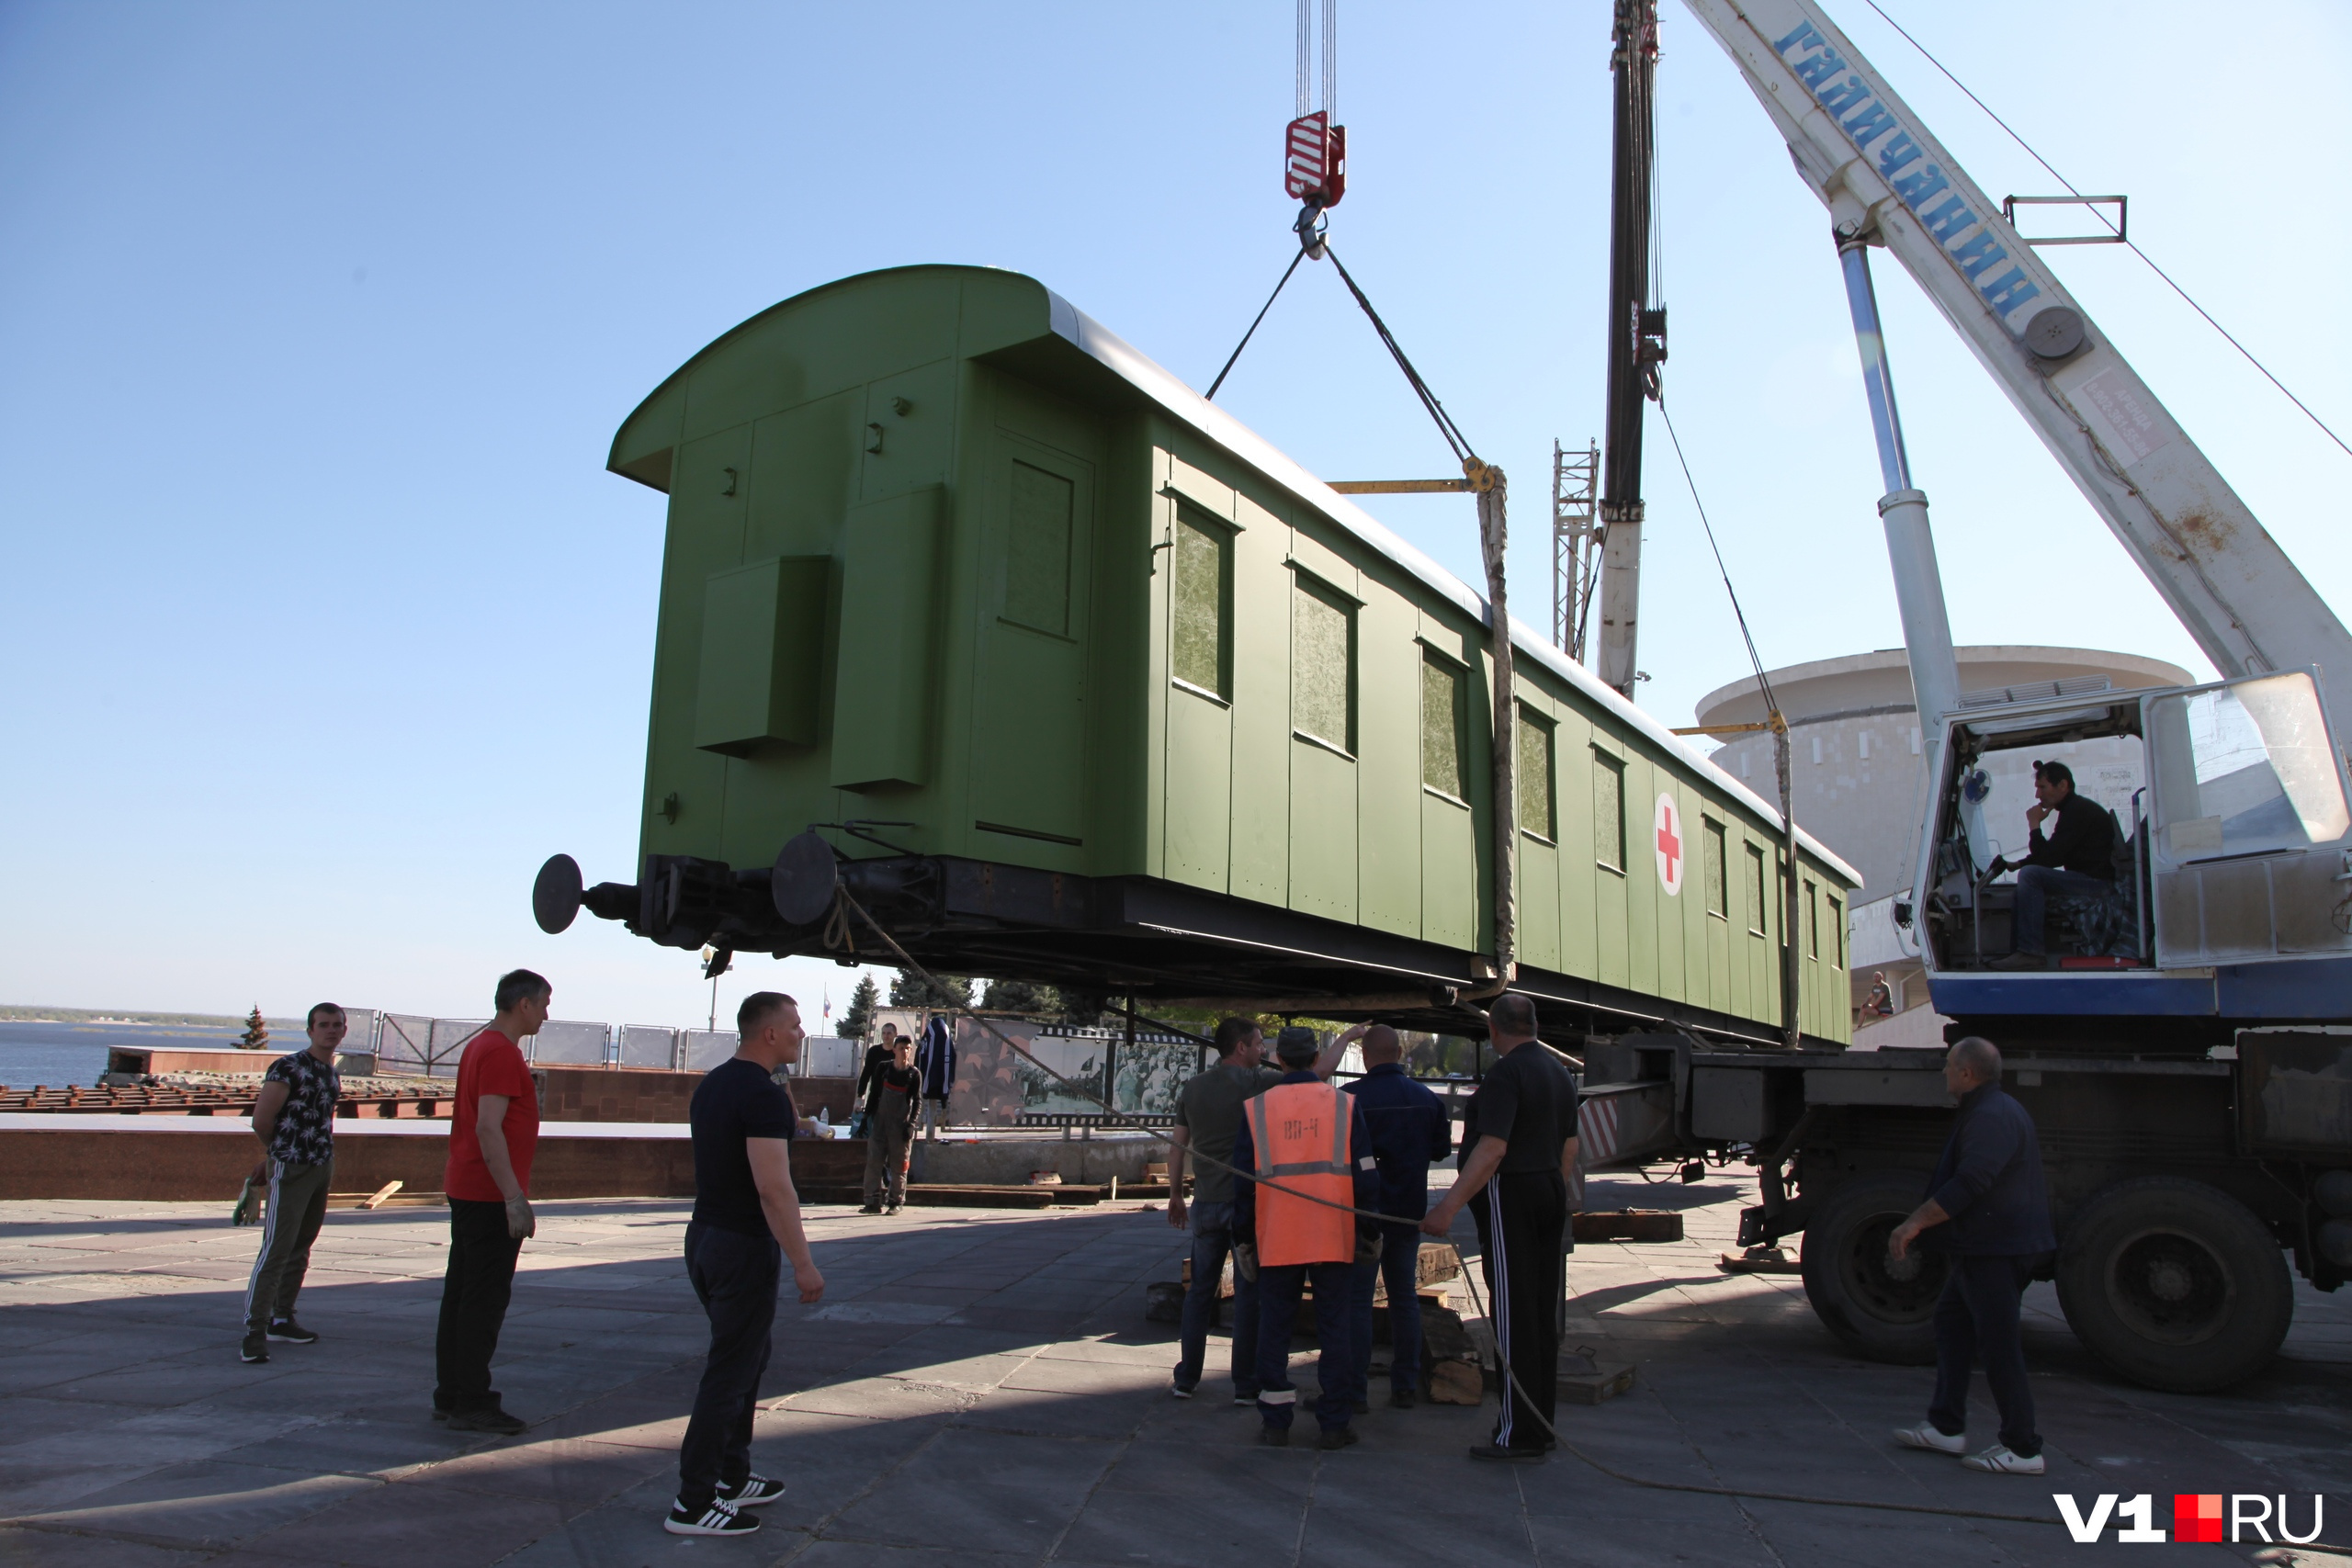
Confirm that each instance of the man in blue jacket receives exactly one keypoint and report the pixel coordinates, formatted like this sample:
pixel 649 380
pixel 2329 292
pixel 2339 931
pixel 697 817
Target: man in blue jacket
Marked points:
pixel 1988 1196
pixel 1408 1130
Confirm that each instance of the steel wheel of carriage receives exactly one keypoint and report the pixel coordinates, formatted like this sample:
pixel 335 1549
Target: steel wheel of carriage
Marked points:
pixel 1878 1307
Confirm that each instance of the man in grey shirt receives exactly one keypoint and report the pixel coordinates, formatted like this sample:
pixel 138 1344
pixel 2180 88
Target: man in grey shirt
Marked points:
pixel 1208 1120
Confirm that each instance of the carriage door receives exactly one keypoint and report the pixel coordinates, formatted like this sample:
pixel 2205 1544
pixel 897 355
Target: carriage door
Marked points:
pixel 1029 716
pixel 2251 855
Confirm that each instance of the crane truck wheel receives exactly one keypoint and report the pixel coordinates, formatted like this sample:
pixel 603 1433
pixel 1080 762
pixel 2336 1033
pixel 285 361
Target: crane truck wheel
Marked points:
pixel 1877 1307
pixel 2174 1284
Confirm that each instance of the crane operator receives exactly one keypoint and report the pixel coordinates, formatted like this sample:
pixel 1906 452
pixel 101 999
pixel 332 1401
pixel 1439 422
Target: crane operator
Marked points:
pixel 2077 857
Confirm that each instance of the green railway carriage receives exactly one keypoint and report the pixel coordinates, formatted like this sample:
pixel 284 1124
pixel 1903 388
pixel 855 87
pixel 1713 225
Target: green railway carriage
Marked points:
pixel 1083 681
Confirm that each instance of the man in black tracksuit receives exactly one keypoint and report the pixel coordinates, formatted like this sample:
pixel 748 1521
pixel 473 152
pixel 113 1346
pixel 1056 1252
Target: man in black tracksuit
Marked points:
pixel 1987 1207
pixel 1519 1148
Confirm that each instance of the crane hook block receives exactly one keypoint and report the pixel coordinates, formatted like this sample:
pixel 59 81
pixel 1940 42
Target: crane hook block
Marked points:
pixel 1315 160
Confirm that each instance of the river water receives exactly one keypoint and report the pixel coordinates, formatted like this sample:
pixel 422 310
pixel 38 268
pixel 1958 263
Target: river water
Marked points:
pixel 61 1054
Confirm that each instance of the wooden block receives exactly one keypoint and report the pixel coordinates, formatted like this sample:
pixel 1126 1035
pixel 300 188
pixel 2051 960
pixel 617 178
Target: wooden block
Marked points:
pixel 1759 1260
pixel 375 1199
pixel 1613 1379
pixel 1457 1382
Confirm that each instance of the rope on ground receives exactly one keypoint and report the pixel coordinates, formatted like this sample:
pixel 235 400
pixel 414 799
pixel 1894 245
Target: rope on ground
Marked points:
pixel 906 961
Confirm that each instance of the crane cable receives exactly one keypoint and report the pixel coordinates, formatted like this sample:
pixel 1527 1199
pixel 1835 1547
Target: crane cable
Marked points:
pixel 1082 1091
pixel 2121 237
pixel 1312 243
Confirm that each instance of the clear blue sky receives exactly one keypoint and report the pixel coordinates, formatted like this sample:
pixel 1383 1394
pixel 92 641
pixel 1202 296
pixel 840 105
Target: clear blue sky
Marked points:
pixel 325 625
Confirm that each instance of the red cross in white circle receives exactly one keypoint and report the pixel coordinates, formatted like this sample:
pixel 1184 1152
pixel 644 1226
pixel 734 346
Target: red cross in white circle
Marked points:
pixel 1669 846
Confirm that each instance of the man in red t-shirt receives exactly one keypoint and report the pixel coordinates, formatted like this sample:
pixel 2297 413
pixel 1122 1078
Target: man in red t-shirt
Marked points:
pixel 492 1134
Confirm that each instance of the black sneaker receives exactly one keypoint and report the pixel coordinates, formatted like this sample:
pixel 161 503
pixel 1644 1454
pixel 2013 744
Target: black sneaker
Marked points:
pixel 757 1492
pixel 891 1209
pixel 719 1518
pixel 1274 1437
pixel 491 1420
pixel 255 1351
pixel 287 1331
pixel 1403 1399
pixel 1361 1407
pixel 1181 1390
pixel 1249 1397
pixel 1336 1437
pixel 870 1209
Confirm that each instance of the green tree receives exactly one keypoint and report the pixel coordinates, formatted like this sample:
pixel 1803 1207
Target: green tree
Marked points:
pixel 910 992
pixel 256 1035
pixel 1020 996
pixel 1083 1009
pixel 859 1018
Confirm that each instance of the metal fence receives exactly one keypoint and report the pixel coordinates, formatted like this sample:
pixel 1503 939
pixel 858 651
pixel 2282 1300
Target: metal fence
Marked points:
pixel 407 1044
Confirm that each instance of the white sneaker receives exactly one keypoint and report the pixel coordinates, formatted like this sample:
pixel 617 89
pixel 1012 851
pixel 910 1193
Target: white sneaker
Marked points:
pixel 1925 1435
pixel 2000 1460
pixel 719 1518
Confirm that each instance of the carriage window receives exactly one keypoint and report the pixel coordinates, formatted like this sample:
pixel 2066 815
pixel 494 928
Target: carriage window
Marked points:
pixel 1202 589
pixel 2245 768
pixel 1441 726
pixel 1755 891
pixel 1607 810
pixel 1837 932
pixel 1322 666
pixel 1534 775
pixel 1811 919
pixel 1037 569
pixel 1716 873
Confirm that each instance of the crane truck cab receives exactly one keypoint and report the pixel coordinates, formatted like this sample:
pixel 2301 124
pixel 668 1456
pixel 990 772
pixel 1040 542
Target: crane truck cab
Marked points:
pixel 2232 859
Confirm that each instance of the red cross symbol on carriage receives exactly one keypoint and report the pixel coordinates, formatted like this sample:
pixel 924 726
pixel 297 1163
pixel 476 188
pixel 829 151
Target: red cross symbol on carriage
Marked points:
pixel 1668 826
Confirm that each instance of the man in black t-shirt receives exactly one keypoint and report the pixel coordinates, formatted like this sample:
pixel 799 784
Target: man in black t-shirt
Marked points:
pixel 1518 1155
pixel 746 1219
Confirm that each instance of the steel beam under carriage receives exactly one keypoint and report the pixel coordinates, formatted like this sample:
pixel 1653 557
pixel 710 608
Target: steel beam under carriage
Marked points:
pixel 1163 942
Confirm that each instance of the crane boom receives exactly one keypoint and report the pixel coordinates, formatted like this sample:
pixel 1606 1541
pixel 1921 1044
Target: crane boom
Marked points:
pixel 1636 336
pixel 1873 164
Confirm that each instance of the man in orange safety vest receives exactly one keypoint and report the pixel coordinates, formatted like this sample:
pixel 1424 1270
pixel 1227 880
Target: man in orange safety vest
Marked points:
pixel 1304 1140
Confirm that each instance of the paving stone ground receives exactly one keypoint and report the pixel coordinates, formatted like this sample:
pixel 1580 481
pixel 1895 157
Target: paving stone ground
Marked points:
pixel 981 1387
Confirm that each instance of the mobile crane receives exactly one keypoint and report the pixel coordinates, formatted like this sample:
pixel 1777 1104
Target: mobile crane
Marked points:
pixel 2188 1060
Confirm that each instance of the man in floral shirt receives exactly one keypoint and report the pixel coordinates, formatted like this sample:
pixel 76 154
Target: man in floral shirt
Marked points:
pixel 294 1118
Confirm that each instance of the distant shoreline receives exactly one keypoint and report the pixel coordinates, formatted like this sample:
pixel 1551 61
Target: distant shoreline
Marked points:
pixel 92 1015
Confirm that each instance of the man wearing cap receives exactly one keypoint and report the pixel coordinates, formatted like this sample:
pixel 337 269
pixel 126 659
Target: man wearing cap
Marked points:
pixel 2078 856
pixel 1208 1118
pixel 1305 1168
